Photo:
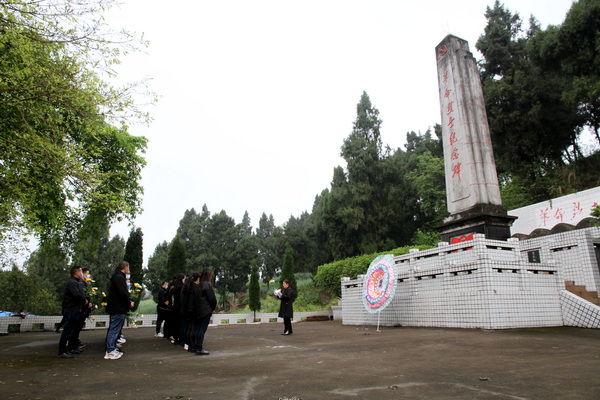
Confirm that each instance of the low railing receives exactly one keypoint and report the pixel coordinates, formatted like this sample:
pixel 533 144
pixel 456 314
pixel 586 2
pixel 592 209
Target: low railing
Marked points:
pixel 32 323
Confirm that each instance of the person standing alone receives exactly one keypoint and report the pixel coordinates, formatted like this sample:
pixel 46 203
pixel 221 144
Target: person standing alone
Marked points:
pixel 118 305
pixel 286 310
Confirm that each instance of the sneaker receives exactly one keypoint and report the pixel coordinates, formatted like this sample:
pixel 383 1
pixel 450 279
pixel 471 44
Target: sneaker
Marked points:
pixel 65 355
pixel 113 355
pixel 121 340
pixel 186 347
pixel 159 335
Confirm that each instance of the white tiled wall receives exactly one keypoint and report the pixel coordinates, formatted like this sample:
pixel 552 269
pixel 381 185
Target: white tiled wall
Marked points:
pixel 479 284
pixel 579 312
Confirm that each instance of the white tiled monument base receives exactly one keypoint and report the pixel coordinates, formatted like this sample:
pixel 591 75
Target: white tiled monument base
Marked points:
pixel 477 284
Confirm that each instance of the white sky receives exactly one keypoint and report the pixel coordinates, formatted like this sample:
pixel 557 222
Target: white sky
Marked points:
pixel 258 96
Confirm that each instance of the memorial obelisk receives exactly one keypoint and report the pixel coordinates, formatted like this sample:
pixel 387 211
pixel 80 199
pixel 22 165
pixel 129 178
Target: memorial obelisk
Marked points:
pixel 472 190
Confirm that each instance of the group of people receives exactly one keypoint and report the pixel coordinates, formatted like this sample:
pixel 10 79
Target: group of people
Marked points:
pixel 185 305
pixel 77 307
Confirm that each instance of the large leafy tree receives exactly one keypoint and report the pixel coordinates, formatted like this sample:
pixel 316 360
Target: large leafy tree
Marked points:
pixel 572 48
pixel 64 149
pixel 533 126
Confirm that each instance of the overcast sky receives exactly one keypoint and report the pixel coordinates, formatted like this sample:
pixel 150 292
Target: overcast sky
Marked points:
pixel 258 96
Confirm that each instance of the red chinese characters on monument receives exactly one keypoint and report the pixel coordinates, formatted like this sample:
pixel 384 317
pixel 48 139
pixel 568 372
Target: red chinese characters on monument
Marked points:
pixel 453 137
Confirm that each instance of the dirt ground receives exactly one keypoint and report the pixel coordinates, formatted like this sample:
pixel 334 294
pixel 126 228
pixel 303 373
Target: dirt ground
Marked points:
pixel 321 360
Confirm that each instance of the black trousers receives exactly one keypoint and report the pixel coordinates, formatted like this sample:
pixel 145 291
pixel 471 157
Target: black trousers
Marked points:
pixel 287 325
pixel 71 319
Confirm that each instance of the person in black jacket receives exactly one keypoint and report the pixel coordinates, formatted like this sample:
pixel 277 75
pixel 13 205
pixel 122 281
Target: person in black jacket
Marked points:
pixel 286 310
pixel 75 345
pixel 73 303
pixel 118 305
pixel 205 302
pixel 188 299
pixel 178 325
pixel 163 309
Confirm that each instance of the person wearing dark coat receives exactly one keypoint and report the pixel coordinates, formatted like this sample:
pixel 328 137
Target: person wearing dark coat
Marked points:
pixel 188 311
pixel 73 303
pixel 75 345
pixel 286 310
pixel 178 323
pixel 163 310
pixel 118 304
pixel 203 303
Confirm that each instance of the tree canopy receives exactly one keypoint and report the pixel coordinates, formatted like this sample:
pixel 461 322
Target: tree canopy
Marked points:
pixel 64 147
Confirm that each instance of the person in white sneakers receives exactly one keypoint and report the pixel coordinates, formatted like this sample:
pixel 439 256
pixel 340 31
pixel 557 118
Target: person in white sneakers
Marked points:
pixel 163 309
pixel 118 304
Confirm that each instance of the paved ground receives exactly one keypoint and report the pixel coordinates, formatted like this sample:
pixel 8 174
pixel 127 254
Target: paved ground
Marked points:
pixel 322 360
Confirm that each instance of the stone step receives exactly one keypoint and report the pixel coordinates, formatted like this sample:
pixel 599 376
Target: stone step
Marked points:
pixel 580 290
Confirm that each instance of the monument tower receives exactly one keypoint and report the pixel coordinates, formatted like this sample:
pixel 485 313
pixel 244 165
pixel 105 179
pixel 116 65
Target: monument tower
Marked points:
pixel 472 190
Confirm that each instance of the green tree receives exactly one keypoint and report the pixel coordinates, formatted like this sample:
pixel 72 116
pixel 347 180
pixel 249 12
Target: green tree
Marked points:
pixel 26 294
pixel 49 263
pixel 268 236
pixel 297 232
pixel 134 255
pixel 176 260
pixel 363 152
pixel 110 254
pixel 60 156
pixel 533 126
pixel 287 270
pixel 572 48
pixel 254 290
pixel 428 180
pixel 156 273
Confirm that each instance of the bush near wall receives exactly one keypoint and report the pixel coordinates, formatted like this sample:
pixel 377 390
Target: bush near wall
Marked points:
pixel 330 275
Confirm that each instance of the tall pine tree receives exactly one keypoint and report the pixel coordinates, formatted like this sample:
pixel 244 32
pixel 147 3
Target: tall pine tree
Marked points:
pixel 134 255
pixel 254 290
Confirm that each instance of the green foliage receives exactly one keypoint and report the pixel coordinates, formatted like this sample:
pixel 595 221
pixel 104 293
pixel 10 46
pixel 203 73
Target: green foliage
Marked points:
pixel 134 256
pixel 428 180
pixel 156 273
pixel 426 238
pixel 176 260
pixel 268 236
pixel 329 275
pixel 49 263
pixel 254 289
pixel 287 271
pixel 61 158
pixel 24 294
pixel 541 91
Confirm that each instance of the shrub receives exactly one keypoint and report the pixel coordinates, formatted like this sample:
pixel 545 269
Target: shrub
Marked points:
pixel 329 275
